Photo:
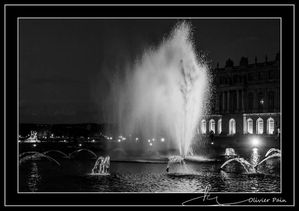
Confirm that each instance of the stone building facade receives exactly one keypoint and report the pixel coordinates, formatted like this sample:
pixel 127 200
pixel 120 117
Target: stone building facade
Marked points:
pixel 246 99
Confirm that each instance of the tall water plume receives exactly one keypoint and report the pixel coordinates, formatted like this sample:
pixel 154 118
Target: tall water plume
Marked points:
pixel 165 92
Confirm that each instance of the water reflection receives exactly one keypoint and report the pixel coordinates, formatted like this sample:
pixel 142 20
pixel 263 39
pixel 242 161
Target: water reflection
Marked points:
pixel 34 178
pixel 255 156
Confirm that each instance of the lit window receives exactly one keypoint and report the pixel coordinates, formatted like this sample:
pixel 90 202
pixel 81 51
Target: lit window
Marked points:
pixel 219 126
pixel 232 126
pixel 270 126
pixel 203 126
pixel 212 125
pixel 259 126
pixel 250 126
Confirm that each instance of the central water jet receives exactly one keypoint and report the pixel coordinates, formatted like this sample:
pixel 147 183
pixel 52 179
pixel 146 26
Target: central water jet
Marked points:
pixel 166 92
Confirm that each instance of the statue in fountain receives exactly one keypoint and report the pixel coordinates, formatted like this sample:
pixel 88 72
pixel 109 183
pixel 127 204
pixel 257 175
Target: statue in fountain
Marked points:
pixel 32 138
pixel 174 159
pixel 101 166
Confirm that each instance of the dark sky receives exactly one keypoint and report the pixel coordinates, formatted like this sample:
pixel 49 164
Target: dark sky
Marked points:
pixel 65 65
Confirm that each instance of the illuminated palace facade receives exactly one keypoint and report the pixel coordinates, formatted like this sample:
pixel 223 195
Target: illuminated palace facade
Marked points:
pixel 246 99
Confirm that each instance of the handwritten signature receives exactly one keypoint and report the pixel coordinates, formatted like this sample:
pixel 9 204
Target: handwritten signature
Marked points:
pixel 213 200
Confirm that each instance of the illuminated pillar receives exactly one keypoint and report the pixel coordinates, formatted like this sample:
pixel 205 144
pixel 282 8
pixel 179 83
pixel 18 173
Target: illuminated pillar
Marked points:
pixel 244 125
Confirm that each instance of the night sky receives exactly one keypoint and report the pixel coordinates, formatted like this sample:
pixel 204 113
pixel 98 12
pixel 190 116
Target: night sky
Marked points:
pixel 65 65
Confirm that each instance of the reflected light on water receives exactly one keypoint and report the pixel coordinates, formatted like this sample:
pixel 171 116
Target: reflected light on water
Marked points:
pixel 255 156
pixel 34 178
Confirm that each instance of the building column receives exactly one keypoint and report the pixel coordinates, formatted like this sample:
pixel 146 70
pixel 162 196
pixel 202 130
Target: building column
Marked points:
pixel 217 102
pixel 237 100
pixel 243 100
pixel 255 101
pixel 265 124
pixel 223 101
pixel 277 100
pixel 228 106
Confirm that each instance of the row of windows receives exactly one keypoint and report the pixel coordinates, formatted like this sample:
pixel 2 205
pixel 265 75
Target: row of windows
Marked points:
pixel 232 126
pixel 253 76
pixel 267 100
pixel 260 126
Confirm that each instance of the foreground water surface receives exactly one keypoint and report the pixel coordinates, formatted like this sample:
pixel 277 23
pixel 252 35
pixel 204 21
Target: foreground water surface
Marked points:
pixel 74 176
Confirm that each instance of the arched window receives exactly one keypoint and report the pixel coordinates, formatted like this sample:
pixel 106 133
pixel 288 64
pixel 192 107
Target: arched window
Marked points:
pixel 250 126
pixel 212 125
pixel 232 126
pixel 203 126
pixel 270 126
pixel 219 126
pixel 259 126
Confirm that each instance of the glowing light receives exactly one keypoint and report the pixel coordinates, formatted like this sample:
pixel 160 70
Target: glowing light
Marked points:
pixel 162 139
pixel 137 139
pixel 212 143
pixel 151 144
pixel 34 145
pixel 119 140
pixel 80 145
pixel 255 142
pixel 149 141
pixel 93 140
pixel 255 149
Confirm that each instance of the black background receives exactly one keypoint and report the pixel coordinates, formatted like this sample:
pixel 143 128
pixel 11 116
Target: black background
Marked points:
pixel 13 12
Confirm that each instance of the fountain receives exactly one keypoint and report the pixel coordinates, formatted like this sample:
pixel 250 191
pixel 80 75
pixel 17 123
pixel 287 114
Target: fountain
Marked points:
pixel 244 164
pixel 32 138
pixel 101 166
pixel 165 93
pixel 230 152
pixel 71 155
pixel 58 152
pixel 271 163
pixel 36 156
pixel 272 150
pixel 176 166
pixel 268 165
